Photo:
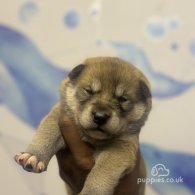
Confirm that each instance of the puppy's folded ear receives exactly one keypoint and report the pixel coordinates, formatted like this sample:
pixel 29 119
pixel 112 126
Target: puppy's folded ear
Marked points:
pixel 74 74
pixel 144 91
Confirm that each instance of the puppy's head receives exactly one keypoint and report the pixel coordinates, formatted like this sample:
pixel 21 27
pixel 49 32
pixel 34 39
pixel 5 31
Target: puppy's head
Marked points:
pixel 107 97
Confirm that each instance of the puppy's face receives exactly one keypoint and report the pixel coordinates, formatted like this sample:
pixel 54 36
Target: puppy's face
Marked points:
pixel 108 97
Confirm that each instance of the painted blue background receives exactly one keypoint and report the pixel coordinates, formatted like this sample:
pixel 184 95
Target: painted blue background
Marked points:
pixel 29 77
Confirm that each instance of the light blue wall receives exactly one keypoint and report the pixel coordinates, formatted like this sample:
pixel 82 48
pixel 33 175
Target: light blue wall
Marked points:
pixel 40 41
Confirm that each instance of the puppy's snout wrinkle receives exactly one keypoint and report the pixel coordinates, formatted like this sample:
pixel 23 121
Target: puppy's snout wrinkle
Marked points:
pixel 100 117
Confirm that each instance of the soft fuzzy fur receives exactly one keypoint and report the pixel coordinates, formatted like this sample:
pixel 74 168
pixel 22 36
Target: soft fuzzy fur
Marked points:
pixel 109 101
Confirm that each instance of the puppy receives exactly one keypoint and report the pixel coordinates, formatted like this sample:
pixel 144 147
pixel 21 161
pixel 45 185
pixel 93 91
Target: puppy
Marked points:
pixel 77 160
pixel 109 101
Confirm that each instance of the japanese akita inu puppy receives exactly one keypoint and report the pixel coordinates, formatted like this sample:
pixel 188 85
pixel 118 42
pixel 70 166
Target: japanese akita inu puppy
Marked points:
pixel 108 100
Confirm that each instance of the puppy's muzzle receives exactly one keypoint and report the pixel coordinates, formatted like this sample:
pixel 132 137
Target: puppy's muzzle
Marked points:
pixel 100 116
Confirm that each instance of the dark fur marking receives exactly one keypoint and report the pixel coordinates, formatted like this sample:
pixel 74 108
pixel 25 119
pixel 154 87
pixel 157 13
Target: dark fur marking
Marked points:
pixel 76 71
pixel 29 167
pixel 144 92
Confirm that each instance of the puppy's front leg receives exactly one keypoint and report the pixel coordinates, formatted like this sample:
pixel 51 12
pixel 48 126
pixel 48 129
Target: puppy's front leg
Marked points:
pixel 110 165
pixel 45 143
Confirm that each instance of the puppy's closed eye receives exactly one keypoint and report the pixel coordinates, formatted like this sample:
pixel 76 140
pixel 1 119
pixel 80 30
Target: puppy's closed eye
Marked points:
pixel 84 93
pixel 122 99
pixel 88 90
pixel 125 103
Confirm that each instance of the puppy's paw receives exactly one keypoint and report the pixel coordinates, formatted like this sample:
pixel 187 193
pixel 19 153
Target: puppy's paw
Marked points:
pixel 30 162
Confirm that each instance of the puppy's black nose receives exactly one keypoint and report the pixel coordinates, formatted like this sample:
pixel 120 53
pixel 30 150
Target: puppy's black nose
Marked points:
pixel 100 117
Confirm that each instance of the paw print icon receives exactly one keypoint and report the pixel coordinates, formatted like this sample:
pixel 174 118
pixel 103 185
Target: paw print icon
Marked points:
pixel 159 170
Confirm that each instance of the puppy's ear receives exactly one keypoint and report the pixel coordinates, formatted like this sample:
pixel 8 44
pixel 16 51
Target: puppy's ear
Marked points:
pixel 144 91
pixel 74 74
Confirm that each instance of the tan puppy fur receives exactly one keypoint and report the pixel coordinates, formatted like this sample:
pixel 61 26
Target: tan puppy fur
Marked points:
pixel 109 101
pixel 76 161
